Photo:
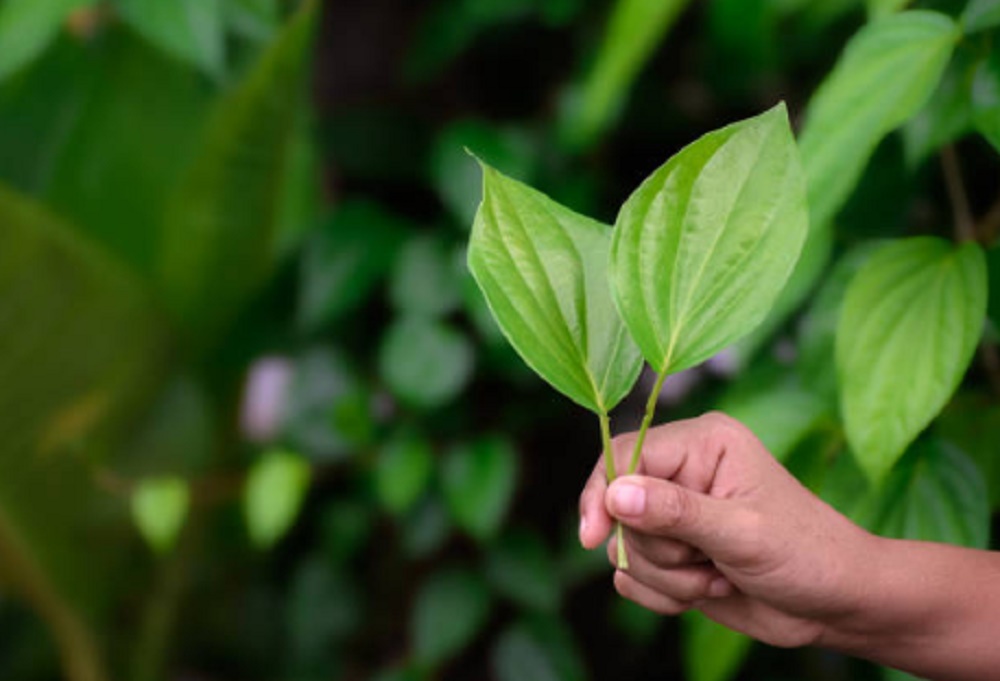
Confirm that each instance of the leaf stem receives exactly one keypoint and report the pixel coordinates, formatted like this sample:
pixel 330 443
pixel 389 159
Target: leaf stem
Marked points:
pixel 609 465
pixel 647 420
pixel 965 228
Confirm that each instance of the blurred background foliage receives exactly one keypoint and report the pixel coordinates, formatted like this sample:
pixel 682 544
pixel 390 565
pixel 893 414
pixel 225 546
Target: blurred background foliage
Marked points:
pixel 257 422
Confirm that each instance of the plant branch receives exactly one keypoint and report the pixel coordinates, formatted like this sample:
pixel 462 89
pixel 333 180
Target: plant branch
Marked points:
pixel 965 228
pixel 609 457
pixel 647 420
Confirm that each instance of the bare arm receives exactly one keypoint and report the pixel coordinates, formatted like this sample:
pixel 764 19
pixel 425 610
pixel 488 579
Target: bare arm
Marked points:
pixel 715 523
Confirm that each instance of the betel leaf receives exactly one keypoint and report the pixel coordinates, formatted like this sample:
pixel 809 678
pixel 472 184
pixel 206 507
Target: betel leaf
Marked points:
pixel 425 362
pixel 543 271
pixel 402 472
pixel 887 72
pixel 425 278
pixel 878 9
pixel 711 651
pixel 27 27
pixel 450 609
pixel 703 248
pixel 936 493
pixel 190 30
pixel 159 506
pixel 273 494
pixel 478 482
pixel 219 230
pixel 981 15
pixel 910 321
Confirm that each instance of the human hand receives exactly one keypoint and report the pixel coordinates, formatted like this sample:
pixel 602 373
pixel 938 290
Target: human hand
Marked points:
pixel 714 522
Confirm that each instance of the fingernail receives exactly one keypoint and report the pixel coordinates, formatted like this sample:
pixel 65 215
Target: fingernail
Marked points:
pixel 630 499
pixel 719 587
pixel 583 529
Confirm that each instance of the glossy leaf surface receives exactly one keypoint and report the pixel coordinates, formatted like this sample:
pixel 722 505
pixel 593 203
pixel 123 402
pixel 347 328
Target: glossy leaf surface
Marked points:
pixel 703 248
pixel 910 321
pixel 886 73
pixel 543 270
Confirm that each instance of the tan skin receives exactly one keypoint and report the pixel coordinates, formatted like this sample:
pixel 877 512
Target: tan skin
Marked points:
pixel 714 522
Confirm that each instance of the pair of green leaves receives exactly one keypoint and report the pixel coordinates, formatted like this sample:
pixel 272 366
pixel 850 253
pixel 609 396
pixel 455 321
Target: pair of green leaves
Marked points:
pixel 697 257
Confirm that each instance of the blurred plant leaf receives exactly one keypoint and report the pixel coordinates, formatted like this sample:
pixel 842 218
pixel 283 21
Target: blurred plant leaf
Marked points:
pixel 478 481
pixel 703 248
pixel 980 15
pixel 634 31
pixel 402 472
pixel 425 363
pixel 458 179
pixel 425 528
pixel 947 115
pixel 323 608
pixel 537 649
pixel 711 651
pixel 910 322
pixel 275 488
pixel 520 567
pixel 159 507
pixel 302 202
pixel 346 528
pixel 971 423
pixel 639 624
pixel 543 271
pixel 986 99
pixel 451 609
pixel 344 259
pixel 127 146
pixel 936 493
pixel 884 76
pixel 27 28
pixel 190 30
pixel 220 225
pixel 425 278
pixel 254 19
pixel 81 348
pixel 879 9
pixel 327 415
pixel 400 674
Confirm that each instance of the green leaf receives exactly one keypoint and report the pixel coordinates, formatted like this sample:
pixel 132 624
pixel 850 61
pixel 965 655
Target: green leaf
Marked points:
pixel 635 29
pixel 127 146
pixel 425 280
pixel 27 28
pixel 980 15
pixel 986 99
pixel 478 482
pixel 936 493
pixel 971 423
pixel 879 9
pixel 253 19
pixel 711 651
pixel 344 259
pixel 402 472
pixel 637 623
pixel 159 507
pixel 322 609
pixel 539 649
pixel 425 529
pixel 425 363
pixel 543 271
pixel 885 75
pixel 947 116
pixel 910 323
pixel 190 30
pixel 703 248
pixel 451 609
pixel 458 179
pixel 219 231
pixel 275 488
pixel 520 567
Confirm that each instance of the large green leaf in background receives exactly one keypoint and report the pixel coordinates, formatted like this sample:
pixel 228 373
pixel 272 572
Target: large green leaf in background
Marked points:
pixel 190 30
pixel 981 15
pixel 712 652
pixel 129 141
pixel 878 9
pixel 986 99
pixel 543 270
pixel 220 226
pixel 635 29
pixel 85 347
pixel 703 248
pixel 886 73
pixel 909 325
pixel 27 27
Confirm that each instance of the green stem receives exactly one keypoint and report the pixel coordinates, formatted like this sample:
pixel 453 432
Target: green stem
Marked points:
pixel 609 465
pixel 647 420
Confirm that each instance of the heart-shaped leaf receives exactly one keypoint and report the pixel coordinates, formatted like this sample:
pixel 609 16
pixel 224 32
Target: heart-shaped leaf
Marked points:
pixel 909 324
pixel 543 270
pixel 703 248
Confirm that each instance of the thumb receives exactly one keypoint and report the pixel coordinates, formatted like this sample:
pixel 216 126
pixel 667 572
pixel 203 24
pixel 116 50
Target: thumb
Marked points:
pixel 721 528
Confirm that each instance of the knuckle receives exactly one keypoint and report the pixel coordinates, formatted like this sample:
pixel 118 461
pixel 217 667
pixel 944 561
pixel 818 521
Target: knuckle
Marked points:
pixel 675 508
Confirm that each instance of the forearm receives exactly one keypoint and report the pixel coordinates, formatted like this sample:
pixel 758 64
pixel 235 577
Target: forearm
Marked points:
pixel 929 609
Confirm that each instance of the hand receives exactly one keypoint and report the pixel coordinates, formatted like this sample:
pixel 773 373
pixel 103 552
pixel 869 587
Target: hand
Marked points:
pixel 714 522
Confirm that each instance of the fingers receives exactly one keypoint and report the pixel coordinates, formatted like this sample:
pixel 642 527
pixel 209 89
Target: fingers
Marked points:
pixel 595 523
pixel 687 582
pixel 648 598
pixel 723 529
pixel 666 553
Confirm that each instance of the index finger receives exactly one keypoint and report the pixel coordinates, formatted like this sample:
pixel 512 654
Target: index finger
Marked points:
pixel 595 523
